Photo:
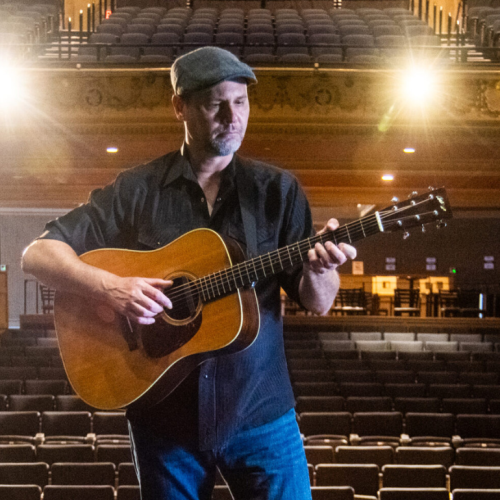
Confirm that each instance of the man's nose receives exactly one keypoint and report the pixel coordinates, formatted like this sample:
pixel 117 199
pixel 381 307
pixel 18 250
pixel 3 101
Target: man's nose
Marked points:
pixel 227 113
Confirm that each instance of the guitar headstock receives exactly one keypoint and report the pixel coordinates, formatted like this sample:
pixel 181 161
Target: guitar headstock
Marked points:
pixel 418 210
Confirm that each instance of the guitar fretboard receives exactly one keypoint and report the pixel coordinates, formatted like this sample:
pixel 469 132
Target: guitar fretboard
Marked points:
pixel 227 281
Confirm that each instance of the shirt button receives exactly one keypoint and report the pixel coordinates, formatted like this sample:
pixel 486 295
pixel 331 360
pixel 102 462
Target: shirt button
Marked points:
pixel 203 200
pixel 206 376
pixel 219 199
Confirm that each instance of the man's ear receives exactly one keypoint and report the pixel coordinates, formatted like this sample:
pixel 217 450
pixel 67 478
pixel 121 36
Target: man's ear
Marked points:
pixel 178 104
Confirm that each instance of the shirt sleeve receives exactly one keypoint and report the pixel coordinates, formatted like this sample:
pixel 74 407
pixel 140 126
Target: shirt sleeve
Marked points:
pixel 106 220
pixel 297 226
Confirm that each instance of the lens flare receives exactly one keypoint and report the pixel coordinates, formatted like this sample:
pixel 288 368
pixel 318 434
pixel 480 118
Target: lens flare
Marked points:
pixel 419 86
pixel 10 86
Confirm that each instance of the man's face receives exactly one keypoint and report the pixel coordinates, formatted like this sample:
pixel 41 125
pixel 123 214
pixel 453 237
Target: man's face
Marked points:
pixel 216 119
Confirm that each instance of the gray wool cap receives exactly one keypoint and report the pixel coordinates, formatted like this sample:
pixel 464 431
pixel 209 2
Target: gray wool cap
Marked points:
pixel 202 68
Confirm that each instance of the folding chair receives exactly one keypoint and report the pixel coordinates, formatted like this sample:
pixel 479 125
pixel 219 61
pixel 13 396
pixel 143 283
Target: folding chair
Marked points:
pixel 425 455
pixel 377 428
pixel 72 426
pixel 482 457
pixel 110 423
pixel 58 492
pixel 24 473
pixel 413 494
pixel 414 476
pixel 8 387
pixel 363 478
pixel 379 455
pixel 332 492
pixel 319 404
pixel 79 474
pixel 464 406
pixel 115 453
pixel 479 430
pixel 54 387
pixel 72 403
pixel 19 426
pixel 25 402
pixel 20 492
pixel 319 455
pixel 417 405
pixel 430 428
pixel 475 494
pixel 463 476
pixel 368 404
pixel 128 493
pixel 361 389
pixel 405 390
pixel 127 474
pixel 52 453
pixel 336 424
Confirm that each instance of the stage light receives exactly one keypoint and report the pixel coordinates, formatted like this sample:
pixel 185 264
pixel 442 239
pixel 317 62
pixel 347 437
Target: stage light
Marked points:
pixel 387 177
pixel 112 150
pixel 418 86
pixel 408 150
pixel 10 86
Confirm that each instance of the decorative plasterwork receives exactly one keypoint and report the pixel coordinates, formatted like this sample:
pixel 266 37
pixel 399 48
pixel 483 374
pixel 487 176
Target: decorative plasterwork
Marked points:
pixel 302 101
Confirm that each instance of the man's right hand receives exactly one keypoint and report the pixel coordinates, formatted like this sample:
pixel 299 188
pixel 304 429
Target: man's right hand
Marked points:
pixel 56 264
pixel 139 299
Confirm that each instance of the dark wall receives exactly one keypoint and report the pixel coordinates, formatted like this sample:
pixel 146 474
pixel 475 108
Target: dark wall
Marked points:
pixel 463 244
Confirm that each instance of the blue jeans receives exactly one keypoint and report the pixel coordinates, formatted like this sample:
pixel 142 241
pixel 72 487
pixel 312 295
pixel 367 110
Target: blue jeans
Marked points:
pixel 263 463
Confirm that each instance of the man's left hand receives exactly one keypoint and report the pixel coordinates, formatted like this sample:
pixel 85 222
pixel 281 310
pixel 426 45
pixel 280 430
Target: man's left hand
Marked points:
pixel 327 257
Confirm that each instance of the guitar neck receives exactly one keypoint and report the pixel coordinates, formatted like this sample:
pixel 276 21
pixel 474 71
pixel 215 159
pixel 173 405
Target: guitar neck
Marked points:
pixel 248 273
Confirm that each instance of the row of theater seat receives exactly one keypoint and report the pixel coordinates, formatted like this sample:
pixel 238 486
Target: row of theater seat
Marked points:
pixel 366 478
pixel 395 390
pixel 407 336
pixel 397 429
pixel 58 492
pixel 353 404
pixel 77 424
pixel 152 35
pixel 439 454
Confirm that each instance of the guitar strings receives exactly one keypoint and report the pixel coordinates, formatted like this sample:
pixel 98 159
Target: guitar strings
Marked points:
pixel 292 252
pixel 215 282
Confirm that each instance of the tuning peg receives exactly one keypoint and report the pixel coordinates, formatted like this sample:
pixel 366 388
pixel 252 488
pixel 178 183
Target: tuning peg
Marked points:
pixel 395 199
pixel 414 193
pixel 406 235
pixel 431 188
pixel 441 224
pixel 423 228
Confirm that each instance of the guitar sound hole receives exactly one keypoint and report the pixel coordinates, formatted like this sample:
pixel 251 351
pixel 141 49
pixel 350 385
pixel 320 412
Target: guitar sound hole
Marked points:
pixel 185 299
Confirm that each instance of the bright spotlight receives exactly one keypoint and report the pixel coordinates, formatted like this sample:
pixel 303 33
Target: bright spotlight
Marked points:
pixel 10 86
pixel 409 150
pixel 418 86
pixel 387 177
pixel 112 149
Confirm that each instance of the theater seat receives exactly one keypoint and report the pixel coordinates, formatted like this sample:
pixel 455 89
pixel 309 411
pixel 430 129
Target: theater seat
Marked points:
pixel 20 492
pixel 57 492
pixel 413 494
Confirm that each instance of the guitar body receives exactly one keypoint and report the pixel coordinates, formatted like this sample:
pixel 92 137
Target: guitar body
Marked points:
pixel 113 364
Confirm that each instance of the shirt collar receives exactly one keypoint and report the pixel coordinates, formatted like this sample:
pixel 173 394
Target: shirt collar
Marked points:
pixel 181 167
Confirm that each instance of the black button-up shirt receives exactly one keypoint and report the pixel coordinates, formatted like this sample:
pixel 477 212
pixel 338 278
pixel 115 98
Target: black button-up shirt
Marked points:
pixel 150 206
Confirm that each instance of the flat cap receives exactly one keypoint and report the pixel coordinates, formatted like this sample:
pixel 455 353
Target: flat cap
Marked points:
pixel 202 68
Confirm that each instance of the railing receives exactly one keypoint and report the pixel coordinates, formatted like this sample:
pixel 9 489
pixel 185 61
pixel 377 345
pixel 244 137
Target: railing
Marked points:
pixel 62 52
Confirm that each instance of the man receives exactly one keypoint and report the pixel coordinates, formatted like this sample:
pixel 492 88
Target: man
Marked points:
pixel 234 412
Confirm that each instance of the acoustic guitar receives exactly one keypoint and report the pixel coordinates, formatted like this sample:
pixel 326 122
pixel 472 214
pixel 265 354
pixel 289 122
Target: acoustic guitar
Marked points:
pixel 112 364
